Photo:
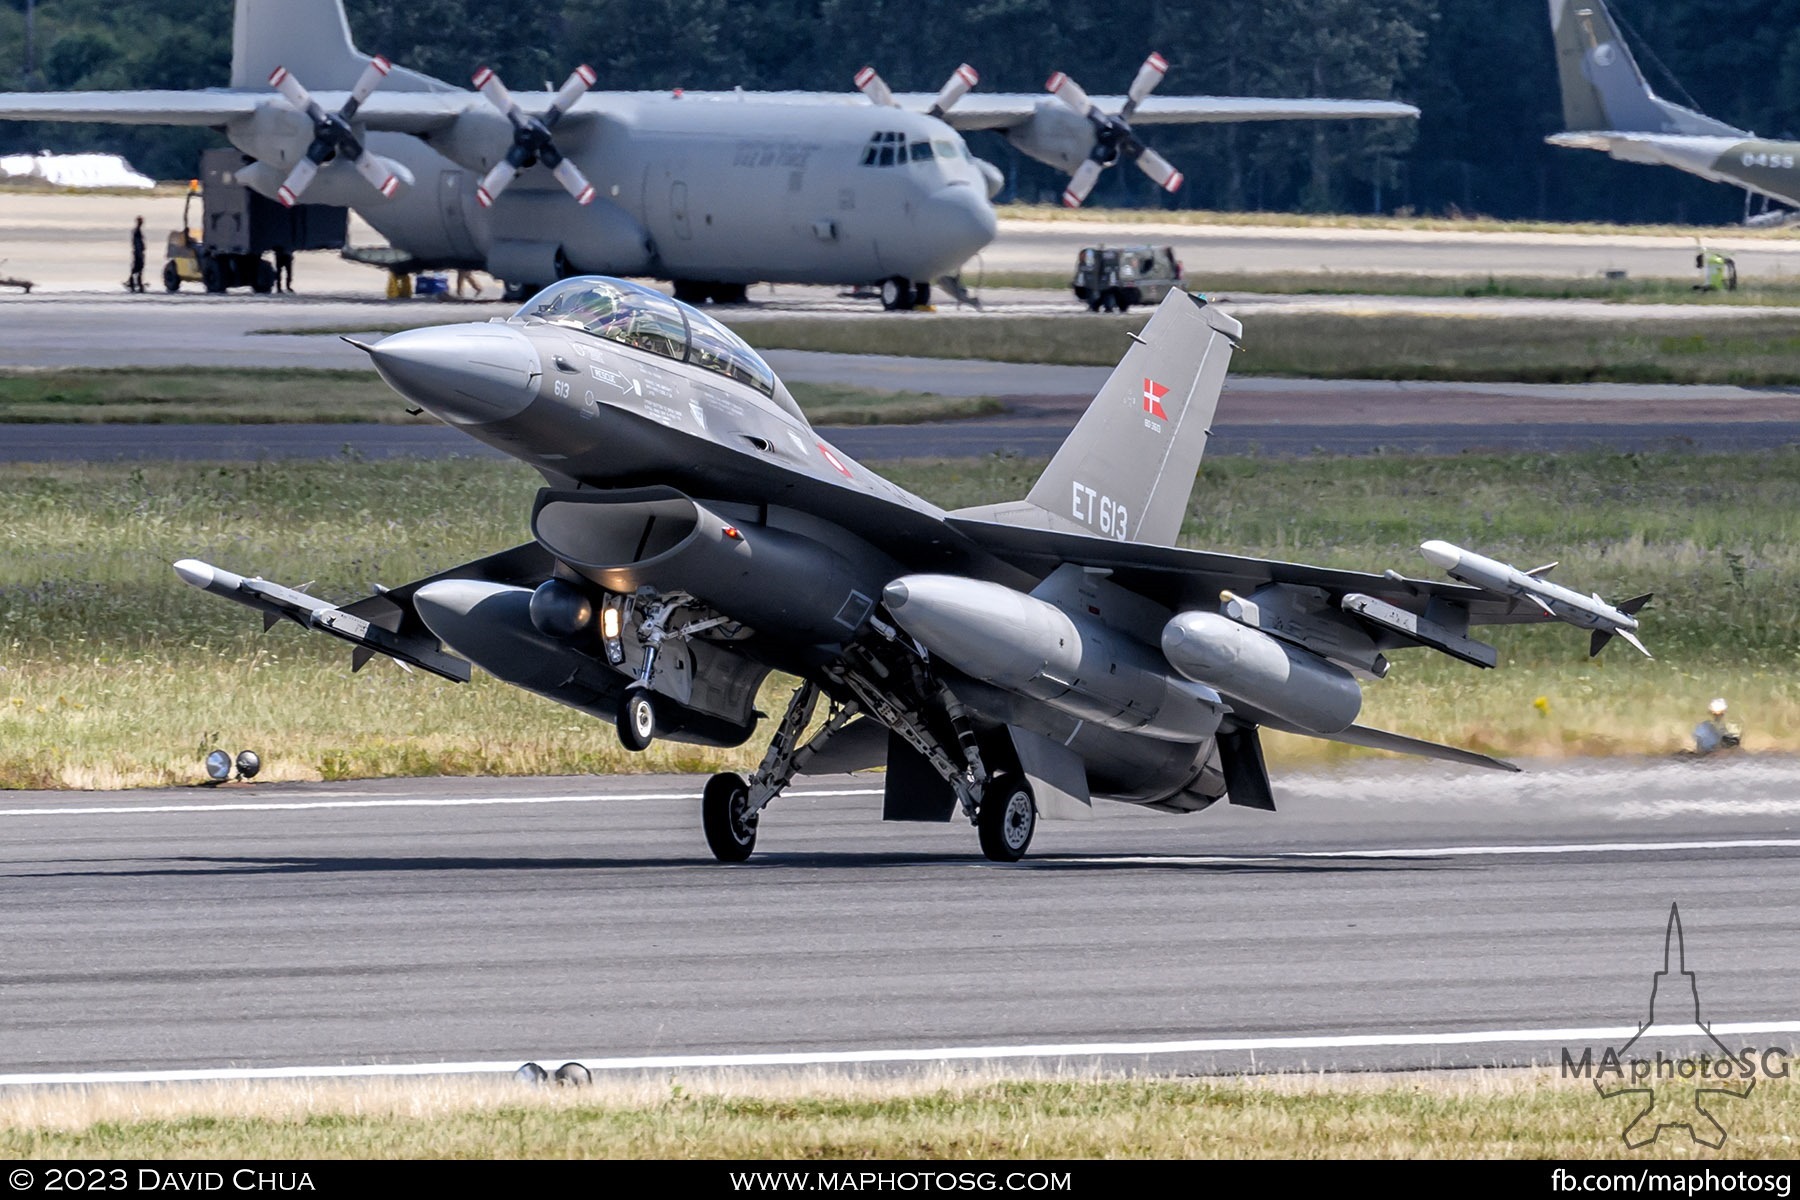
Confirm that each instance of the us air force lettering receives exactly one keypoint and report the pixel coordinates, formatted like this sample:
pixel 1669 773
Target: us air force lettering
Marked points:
pixel 696 534
pixel 713 190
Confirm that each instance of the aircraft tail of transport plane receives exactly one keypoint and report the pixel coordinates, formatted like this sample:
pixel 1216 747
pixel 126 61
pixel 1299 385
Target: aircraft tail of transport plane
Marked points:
pixel 1608 105
pixel 696 534
pixel 711 190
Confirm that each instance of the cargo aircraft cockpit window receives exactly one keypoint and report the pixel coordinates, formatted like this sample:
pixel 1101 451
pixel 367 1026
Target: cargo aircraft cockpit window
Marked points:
pixel 645 319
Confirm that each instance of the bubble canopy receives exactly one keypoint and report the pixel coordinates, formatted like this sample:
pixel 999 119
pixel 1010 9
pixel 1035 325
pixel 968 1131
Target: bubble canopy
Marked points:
pixel 645 319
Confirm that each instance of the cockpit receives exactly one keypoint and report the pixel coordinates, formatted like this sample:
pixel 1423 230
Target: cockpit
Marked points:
pixel 645 319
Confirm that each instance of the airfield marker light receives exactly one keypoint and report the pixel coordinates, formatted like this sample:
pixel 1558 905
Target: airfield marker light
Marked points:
pixel 531 1073
pixel 218 766
pixel 248 764
pixel 573 1074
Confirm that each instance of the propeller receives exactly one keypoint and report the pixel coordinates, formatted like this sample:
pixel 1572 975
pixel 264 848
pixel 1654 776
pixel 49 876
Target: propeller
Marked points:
pixel 1113 135
pixel 955 88
pixel 531 136
pixel 332 134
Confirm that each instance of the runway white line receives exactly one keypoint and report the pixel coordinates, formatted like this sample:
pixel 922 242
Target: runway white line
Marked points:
pixel 410 802
pixel 806 1058
pixel 1210 860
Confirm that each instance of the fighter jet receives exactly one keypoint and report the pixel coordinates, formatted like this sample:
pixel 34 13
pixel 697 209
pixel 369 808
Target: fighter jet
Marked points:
pixel 713 191
pixel 695 534
pixel 1608 105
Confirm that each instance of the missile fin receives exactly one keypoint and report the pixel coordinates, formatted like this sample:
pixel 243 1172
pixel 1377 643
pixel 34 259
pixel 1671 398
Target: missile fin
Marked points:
pixel 1633 639
pixel 1597 643
pixel 1633 606
pixel 1540 572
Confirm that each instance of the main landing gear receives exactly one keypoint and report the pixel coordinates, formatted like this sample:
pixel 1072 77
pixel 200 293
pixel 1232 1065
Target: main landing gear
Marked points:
pixel 1006 818
pixel 898 295
pixel 731 804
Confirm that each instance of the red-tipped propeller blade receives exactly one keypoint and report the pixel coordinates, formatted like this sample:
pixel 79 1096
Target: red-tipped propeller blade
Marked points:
pixel 1069 92
pixel 1081 183
pixel 874 87
pixel 954 89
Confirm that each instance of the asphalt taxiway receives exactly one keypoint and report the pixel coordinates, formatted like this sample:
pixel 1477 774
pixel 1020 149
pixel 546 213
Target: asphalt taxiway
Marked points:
pixel 1392 915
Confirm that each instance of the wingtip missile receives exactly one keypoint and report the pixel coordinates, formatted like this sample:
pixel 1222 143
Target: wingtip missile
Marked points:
pixel 1555 601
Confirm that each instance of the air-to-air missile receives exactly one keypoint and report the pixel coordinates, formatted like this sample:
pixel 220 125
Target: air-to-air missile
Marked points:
pixel 1564 604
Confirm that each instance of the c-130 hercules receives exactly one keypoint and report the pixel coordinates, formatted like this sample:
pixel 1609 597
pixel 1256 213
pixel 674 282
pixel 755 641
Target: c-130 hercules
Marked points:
pixel 713 191
pixel 696 534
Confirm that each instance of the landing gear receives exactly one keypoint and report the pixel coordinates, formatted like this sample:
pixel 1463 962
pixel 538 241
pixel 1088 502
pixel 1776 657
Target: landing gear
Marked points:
pixel 896 294
pixel 637 719
pixel 1007 818
pixel 726 817
pixel 731 806
pixel 921 295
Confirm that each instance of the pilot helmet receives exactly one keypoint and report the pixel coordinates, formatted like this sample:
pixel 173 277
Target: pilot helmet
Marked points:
pixel 1717 707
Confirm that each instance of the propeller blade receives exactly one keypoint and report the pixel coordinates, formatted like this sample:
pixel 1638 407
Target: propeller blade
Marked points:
pixel 379 172
pixel 954 89
pixel 1081 183
pixel 1069 92
pixel 1160 169
pixel 874 87
pixel 574 182
pixel 1148 76
pixel 294 94
pixel 494 182
pixel 489 85
pixel 372 75
pixel 579 81
pixel 295 183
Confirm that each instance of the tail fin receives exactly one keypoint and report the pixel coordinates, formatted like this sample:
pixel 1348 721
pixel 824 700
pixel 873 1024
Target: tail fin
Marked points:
pixel 1127 469
pixel 311 38
pixel 1602 87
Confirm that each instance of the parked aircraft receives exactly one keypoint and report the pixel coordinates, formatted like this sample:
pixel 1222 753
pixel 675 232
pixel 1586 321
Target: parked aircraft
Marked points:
pixel 1608 105
pixel 696 534
pixel 713 190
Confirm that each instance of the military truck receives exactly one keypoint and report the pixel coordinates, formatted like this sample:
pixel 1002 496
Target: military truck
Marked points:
pixel 238 227
pixel 1113 278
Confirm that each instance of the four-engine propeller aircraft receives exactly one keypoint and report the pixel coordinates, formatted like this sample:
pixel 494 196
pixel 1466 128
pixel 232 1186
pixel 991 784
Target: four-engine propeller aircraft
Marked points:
pixel 711 190
pixel 1608 105
pixel 696 534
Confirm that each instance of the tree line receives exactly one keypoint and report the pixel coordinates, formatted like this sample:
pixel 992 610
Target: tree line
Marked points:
pixel 1482 71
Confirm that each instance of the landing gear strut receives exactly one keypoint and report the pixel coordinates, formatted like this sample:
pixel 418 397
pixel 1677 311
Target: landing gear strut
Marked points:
pixel 731 805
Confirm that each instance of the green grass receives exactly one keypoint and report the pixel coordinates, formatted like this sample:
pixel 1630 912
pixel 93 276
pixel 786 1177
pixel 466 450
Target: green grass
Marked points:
pixel 176 395
pixel 1758 351
pixel 1510 1114
pixel 1223 285
pixel 114 673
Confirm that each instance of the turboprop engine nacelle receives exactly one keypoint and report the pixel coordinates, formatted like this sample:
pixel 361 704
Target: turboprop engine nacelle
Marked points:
pixel 1264 673
pixel 1032 647
pixel 761 575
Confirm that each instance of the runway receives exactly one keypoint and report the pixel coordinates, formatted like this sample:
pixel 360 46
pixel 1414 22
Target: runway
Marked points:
pixel 1396 915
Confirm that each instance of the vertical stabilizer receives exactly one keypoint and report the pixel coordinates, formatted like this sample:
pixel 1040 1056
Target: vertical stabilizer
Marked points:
pixel 1602 87
pixel 311 38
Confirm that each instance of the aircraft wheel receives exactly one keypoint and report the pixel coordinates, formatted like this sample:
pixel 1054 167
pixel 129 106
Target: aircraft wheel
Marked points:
pixel 921 295
pixel 725 816
pixel 171 278
pixel 896 294
pixel 1007 818
pixel 637 719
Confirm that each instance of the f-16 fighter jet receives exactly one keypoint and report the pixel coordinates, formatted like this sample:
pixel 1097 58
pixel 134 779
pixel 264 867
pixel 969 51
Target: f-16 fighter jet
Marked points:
pixel 695 534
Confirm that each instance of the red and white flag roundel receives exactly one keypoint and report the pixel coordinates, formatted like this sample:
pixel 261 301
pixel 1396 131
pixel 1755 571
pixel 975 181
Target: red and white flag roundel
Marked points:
pixel 834 460
pixel 1153 394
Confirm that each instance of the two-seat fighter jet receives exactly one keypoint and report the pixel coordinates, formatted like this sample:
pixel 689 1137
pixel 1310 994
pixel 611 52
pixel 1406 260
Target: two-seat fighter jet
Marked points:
pixel 695 534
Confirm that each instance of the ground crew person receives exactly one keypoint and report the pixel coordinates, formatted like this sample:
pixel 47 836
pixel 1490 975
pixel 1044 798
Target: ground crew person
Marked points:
pixel 1716 733
pixel 284 270
pixel 135 281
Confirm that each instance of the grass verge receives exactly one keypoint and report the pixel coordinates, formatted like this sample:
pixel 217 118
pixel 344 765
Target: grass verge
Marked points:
pixel 113 673
pixel 1750 351
pixel 1484 1114
pixel 200 395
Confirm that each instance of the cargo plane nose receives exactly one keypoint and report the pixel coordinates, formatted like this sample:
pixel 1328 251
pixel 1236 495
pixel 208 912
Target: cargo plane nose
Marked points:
pixel 465 374
pixel 955 222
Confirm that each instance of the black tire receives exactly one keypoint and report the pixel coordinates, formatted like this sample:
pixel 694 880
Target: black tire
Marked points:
pixel 211 278
pixel 1093 305
pixel 690 291
pixel 724 815
pixel 637 719
pixel 1007 818
pixel 1109 301
pixel 921 295
pixel 171 278
pixel 262 282
pixel 896 294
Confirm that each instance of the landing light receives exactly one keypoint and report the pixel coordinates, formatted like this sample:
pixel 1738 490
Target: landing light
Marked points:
pixel 612 622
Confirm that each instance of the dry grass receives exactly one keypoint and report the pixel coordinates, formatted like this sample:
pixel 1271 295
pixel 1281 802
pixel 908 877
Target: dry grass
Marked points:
pixel 834 1116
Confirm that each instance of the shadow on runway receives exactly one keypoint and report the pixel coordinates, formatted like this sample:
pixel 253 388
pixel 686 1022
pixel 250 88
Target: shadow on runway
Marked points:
pixel 199 866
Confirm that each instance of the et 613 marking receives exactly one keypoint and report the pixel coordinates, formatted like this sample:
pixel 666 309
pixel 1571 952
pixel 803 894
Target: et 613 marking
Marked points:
pixel 1101 512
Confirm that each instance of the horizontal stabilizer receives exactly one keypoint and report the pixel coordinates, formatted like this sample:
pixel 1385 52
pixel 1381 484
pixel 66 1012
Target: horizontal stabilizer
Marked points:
pixel 1399 743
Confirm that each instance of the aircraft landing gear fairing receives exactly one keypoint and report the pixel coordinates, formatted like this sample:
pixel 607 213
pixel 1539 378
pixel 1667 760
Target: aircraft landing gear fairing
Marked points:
pixel 731 805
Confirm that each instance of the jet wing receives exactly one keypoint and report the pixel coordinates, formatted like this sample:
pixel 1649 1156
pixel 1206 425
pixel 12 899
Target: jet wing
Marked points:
pixel 398 112
pixel 1188 579
pixel 1000 110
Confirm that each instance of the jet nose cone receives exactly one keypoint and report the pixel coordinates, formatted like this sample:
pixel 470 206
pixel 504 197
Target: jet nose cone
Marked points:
pixel 465 374
pixel 957 221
